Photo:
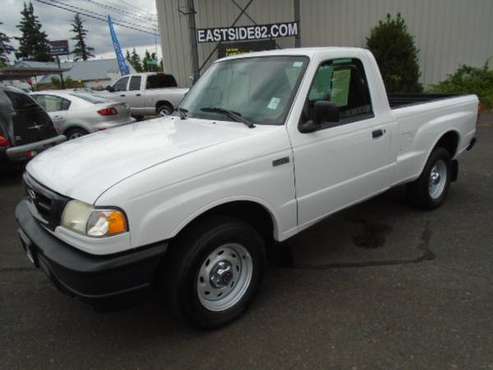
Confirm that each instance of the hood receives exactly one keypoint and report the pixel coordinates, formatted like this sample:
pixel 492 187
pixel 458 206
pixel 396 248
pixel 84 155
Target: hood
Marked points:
pixel 84 168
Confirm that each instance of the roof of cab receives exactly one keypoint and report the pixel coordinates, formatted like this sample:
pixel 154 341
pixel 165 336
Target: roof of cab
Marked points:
pixel 309 52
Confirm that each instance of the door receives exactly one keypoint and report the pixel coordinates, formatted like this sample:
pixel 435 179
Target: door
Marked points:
pixel 344 162
pixel 120 87
pixel 135 98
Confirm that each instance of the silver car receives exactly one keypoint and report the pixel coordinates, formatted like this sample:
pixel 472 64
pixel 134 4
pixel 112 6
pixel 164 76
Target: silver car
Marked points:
pixel 76 113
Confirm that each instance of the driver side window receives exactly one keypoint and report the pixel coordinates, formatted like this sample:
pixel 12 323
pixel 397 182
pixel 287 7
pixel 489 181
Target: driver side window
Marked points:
pixel 343 82
pixel 121 84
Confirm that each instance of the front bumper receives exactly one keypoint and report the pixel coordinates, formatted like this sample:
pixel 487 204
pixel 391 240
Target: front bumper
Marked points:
pixel 92 278
pixel 26 151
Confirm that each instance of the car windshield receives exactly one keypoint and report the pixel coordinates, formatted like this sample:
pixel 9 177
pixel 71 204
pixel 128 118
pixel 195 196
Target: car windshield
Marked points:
pixel 259 89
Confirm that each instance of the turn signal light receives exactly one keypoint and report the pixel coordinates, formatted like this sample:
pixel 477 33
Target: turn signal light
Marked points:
pixel 108 112
pixel 4 142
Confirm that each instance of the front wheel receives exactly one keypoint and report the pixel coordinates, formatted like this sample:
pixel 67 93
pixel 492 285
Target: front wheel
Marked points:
pixel 430 189
pixel 214 271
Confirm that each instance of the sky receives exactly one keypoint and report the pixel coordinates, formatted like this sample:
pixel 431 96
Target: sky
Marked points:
pixel 56 23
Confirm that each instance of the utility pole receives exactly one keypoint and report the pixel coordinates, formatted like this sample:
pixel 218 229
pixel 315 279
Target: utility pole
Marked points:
pixel 193 40
pixel 62 82
pixel 297 39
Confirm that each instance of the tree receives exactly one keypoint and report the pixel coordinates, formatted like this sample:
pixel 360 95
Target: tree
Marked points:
pixel 5 48
pixel 33 44
pixel 150 62
pixel 134 60
pixel 396 54
pixel 81 49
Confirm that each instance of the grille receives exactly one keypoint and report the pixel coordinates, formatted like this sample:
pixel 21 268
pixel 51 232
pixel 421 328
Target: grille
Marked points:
pixel 45 204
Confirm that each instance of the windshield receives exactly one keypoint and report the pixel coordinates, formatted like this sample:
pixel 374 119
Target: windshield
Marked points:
pixel 259 89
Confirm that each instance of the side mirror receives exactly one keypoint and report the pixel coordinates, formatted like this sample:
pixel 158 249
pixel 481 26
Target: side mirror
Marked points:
pixel 322 112
pixel 109 88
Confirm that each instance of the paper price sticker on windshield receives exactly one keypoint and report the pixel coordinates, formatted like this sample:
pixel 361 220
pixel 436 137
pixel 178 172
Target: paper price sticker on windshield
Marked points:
pixel 274 102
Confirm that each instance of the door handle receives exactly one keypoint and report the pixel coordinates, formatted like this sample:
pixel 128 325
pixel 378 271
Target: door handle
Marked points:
pixel 377 133
pixel 122 95
pixel 138 95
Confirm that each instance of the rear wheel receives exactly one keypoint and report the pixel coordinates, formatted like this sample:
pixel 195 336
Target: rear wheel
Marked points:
pixel 165 109
pixel 214 271
pixel 430 189
pixel 75 133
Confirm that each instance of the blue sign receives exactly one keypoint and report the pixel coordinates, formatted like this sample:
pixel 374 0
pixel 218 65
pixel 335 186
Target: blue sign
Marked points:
pixel 122 64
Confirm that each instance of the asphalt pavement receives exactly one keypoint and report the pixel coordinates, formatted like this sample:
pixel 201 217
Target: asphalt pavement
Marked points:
pixel 378 286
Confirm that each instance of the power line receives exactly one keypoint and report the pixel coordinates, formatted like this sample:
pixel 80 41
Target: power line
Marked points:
pixel 131 7
pixel 122 11
pixel 78 9
pixel 98 17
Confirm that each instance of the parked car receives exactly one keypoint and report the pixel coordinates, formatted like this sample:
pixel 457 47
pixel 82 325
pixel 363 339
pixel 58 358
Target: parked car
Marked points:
pixel 25 128
pixel 75 114
pixel 147 94
pixel 290 137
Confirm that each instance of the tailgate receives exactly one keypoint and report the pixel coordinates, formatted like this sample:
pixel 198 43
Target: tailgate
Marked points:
pixel 32 124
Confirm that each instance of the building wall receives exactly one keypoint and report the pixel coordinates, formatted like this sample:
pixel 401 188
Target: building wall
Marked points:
pixel 448 32
pixel 174 30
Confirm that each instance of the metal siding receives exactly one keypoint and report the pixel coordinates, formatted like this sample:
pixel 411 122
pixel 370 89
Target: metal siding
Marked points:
pixel 447 32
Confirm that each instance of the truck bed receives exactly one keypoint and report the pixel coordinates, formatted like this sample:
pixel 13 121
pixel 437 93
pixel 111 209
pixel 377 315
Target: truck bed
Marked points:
pixel 397 101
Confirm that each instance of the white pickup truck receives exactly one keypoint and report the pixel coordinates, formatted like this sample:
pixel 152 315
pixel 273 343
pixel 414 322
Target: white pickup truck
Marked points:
pixel 146 94
pixel 264 145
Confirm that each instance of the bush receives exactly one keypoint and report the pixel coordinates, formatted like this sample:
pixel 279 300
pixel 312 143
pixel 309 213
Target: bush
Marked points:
pixel 396 54
pixel 469 80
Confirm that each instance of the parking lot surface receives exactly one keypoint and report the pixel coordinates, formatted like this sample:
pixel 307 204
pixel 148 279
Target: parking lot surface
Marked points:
pixel 378 286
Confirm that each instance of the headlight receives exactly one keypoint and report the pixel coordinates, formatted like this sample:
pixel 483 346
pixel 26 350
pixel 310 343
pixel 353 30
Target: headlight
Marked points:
pixel 85 219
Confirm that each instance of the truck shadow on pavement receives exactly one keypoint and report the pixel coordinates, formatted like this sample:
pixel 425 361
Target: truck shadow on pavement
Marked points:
pixel 381 231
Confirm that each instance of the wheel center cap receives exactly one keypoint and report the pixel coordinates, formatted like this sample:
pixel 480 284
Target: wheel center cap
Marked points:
pixel 221 274
pixel 435 177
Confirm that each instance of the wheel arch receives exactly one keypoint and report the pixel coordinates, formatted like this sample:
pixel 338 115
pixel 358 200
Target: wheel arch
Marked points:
pixel 160 103
pixel 450 141
pixel 253 212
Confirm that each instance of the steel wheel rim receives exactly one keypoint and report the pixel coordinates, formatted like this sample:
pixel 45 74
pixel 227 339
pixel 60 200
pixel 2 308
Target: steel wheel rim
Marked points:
pixel 224 277
pixel 165 111
pixel 438 179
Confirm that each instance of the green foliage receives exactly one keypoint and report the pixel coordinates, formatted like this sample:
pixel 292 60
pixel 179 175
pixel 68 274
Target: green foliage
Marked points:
pixel 81 49
pixel 33 43
pixel 5 49
pixel 150 63
pixel 69 83
pixel 396 54
pixel 469 80
pixel 134 60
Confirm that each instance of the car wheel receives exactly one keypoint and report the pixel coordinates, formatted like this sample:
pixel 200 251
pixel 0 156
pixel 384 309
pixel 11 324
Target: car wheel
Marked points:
pixel 165 109
pixel 214 271
pixel 75 133
pixel 430 189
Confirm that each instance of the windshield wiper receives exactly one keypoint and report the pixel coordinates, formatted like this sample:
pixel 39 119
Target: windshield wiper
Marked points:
pixel 230 114
pixel 182 112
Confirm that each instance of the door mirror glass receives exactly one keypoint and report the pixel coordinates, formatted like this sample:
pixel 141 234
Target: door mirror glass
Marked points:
pixel 109 88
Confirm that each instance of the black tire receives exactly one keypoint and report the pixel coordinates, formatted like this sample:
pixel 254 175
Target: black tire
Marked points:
pixel 75 133
pixel 419 193
pixel 165 109
pixel 190 253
